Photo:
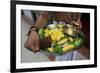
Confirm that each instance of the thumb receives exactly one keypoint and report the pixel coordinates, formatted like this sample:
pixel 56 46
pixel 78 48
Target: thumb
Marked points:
pixel 33 49
pixel 76 23
pixel 37 45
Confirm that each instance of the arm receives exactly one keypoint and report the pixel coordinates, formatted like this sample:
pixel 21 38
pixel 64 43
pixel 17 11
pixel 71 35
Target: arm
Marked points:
pixel 83 50
pixel 42 19
pixel 32 41
pixel 77 19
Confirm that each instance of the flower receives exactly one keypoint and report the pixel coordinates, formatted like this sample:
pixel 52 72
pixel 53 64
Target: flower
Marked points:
pixel 47 32
pixel 56 35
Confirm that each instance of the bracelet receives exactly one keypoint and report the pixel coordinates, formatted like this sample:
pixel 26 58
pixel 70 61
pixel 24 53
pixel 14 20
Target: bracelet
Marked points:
pixel 31 29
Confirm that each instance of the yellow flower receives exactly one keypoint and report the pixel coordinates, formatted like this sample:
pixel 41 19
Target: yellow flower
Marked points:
pixel 56 35
pixel 47 32
pixel 61 29
pixel 60 36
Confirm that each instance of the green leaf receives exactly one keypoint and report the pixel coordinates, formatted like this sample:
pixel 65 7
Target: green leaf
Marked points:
pixel 58 49
pixel 41 33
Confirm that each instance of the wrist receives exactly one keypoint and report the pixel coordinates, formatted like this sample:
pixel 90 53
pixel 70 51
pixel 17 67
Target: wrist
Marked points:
pixel 32 32
pixel 33 28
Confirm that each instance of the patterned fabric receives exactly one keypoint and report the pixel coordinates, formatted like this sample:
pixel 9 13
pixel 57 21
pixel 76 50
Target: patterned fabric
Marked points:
pixel 66 57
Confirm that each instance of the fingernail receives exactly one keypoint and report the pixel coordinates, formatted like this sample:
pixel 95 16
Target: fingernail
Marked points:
pixel 37 48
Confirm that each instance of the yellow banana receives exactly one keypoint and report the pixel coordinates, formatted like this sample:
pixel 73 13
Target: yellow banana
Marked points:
pixel 68 47
pixel 63 41
pixel 51 49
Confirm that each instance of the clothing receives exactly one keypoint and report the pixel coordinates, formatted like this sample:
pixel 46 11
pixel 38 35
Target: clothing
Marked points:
pixel 66 17
pixel 64 57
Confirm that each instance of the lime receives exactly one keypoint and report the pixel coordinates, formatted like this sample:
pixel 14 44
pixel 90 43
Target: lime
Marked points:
pixel 78 42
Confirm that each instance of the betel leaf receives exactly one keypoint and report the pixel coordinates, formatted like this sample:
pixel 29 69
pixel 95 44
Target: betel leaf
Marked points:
pixel 82 36
pixel 41 33
pixel 58 49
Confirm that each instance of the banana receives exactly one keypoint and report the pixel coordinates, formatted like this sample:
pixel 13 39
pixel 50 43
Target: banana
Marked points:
pixel 68 47
pixel 71 39
pixel 51 49
pixel 62 41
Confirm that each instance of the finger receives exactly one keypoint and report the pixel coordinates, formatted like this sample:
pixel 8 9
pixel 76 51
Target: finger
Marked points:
pixel 33 49
pixel 80 26
pixel 36 43
pixel 76 23
pixel 28 44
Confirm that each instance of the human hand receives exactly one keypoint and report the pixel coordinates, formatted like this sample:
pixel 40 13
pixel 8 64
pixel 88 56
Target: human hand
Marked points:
pixel 32 42
pixel 78 24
